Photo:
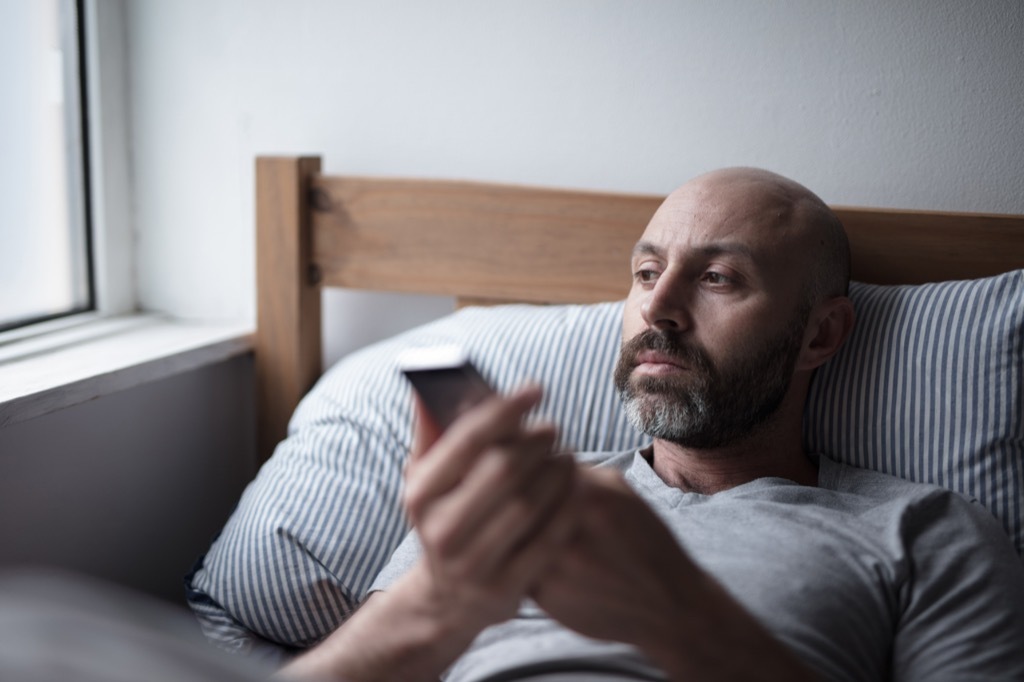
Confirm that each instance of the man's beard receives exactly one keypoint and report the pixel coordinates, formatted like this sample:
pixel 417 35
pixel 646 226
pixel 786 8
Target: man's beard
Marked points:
pixel 706 406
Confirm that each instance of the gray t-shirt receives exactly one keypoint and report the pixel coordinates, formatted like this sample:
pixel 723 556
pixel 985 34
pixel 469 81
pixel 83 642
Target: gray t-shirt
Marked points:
pixel 865 577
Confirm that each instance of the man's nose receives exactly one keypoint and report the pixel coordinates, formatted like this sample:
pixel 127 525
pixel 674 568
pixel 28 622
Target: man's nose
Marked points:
pixel 667 306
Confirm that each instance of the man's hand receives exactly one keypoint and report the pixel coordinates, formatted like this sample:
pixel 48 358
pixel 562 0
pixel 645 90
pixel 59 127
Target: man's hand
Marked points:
pixel 491 503
pixel 623 569
pixel 624 578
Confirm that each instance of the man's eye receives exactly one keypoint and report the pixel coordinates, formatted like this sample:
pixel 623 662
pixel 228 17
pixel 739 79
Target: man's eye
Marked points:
pixel 712 277
pixel 645 276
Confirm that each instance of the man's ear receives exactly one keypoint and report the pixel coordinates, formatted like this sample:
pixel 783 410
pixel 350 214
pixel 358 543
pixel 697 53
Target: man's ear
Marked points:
pixel 828 327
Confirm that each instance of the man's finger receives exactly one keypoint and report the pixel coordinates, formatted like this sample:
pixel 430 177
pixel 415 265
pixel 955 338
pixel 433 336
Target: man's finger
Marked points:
pixel 439 469
pixel 476 512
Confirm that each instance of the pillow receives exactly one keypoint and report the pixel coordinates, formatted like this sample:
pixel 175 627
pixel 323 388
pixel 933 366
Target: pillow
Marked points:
pixel 323 515
pixel 930 387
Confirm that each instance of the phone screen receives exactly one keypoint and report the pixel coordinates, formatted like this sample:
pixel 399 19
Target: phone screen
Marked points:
pixel 446 381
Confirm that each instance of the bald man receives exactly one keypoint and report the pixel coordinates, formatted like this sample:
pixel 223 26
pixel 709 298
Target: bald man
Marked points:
pixel 723 550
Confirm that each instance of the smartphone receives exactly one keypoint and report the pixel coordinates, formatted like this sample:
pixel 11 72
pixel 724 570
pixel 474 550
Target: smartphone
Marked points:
pixel 445 380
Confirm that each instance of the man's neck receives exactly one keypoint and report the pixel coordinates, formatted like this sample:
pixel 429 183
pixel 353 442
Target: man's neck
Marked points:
pixel 714 470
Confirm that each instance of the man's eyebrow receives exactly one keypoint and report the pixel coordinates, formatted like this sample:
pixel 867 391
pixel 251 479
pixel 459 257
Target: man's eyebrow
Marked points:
pixel 643 248
pixel 731 248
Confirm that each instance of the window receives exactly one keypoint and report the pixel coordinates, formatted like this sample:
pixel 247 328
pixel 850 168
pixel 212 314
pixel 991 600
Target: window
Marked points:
pixel 45 263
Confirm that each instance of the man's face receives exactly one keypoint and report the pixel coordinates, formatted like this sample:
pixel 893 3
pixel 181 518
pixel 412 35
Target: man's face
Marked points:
pixel 706 406
pixel 714 322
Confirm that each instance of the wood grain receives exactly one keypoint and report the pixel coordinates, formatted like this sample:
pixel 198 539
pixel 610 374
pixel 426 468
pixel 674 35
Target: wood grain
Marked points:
pixel 498 243
pixel 474 240
pixel 911 247
pixel 287 341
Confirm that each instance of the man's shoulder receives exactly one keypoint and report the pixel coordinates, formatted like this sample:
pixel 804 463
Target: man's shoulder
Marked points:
pixel 846 478
pixel 923 502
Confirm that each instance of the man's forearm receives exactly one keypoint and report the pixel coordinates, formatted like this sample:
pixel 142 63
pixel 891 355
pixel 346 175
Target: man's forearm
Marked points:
pixel 395 635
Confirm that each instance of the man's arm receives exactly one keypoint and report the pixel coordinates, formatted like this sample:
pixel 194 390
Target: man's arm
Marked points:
pixel 625 578
pixel 962 610
pixel 491 505
pixel 396 635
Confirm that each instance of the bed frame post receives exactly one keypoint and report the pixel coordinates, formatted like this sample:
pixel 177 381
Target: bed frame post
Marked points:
pixel 287 355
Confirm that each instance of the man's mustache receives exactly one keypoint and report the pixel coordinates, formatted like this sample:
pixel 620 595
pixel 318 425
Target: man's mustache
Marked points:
pixel 668 343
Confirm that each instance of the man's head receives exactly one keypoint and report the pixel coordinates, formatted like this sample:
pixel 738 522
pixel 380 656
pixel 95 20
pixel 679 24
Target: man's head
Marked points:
pixel 739 286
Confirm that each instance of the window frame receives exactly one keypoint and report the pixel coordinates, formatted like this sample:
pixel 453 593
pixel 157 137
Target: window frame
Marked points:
pixel 77 137
pixel 110 129
pixel 66 361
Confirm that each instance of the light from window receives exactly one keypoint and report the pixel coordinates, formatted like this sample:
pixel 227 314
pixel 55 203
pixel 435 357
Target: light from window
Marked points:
pixel 44 244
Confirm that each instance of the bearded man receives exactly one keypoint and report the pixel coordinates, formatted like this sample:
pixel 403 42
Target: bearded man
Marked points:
pixel 723 550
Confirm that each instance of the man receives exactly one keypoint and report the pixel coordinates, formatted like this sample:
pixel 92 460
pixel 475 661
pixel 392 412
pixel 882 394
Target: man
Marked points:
pixel 722 551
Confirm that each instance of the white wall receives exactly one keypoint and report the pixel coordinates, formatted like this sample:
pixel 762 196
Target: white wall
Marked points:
pixel 912 104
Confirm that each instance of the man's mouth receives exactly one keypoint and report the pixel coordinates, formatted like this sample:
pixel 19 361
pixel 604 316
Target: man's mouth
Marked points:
pixel 657 363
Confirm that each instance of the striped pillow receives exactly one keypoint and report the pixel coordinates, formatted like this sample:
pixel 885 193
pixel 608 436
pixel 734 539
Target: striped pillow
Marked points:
pixel 930 387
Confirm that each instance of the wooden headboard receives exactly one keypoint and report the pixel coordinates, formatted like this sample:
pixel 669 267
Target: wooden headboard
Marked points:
pixel 490 243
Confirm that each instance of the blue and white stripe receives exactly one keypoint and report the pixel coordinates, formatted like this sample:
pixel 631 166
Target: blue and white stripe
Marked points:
pixel 930 387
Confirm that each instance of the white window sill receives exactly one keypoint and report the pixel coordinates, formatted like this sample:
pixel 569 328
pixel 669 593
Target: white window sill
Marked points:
pixel 65 368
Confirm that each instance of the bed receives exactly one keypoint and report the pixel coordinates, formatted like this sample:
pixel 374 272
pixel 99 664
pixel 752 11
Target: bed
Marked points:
pixel 537 273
